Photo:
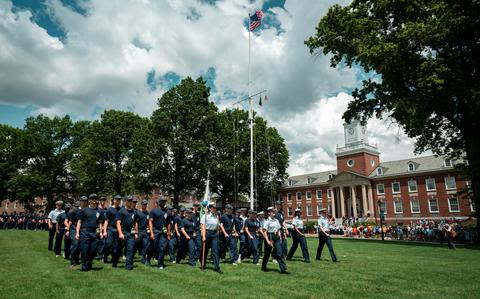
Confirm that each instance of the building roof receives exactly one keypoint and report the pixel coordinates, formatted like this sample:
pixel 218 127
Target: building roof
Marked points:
pixel 421 165
pixel 316 178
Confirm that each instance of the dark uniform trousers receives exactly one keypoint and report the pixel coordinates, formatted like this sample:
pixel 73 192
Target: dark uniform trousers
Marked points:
pixel 159 245
pixel 59 240
pixel 143 242
pixel 298 239
pixel 277 248
pixel 212 242
pixel 198 244
pixel 129 243
pixel 260 245
pixel 243 245
pixel 75 248
pixel 88 247
pixel 187 246
pixel 322 240
pixel 223 246
pixel 67 247
pixel 51 235
pixel 252 248
pixel 111 244
pixel 284 244
pixel 101 247
pixel 231 244
pixel 173 246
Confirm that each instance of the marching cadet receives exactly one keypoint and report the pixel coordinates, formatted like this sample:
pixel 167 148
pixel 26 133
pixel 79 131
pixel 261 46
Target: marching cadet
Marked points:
pixel 324 236
pixel 126 232
pixel 110 229
pixel 101 237
pixel 141 228
pixel 60 228
pixel 241 234
pixel 89 222
pixel 187 230
pixel 198 235
pixel 272 235
pixel 52 223
pixel 173 236
pixel 71 229
pixel 298 237
pixel 210 224
pixel 251 229
pixel 227 228
pixel 283 230
pixel 260 219
pixel 159 230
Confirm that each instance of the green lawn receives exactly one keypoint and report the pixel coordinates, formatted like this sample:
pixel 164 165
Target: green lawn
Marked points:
pixel 366 270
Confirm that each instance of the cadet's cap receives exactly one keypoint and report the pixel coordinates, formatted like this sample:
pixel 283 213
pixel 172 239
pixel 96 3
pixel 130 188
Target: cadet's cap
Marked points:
pixel 298 210
pixel 170 208
pixel 117 197
pixel 77 204
pixel 59 202
pixel 67 206
pixel 161 200
pixel 93 195
pixel 228 206
pixel 128 198
pixel 144 202
pixel 278 202
pixel 103 198
pixel 261 213
pixel 135 199
pixel 83 198
pixel 322 210
pixel 212 205
pixel 188 211
pixel 270 209
pixel 183 209
pixel 242 209
pixel 252 212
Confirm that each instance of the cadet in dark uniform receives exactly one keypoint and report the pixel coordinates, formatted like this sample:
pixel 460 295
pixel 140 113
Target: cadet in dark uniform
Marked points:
pixel 251 229
pixel 227 228
pixel 187 231
pixel 241 234
pixel 283 230
pixel 159 230
pixel 89 222
pixel 298 237
pixel 141 227
pixel 110 228
pixel 260 220
pixel 198 235
pixel 61 234
pixel 175 236
pixel 71 231
pixel 210 225
pixel 271 234
pixel 126 232
pixel 101 236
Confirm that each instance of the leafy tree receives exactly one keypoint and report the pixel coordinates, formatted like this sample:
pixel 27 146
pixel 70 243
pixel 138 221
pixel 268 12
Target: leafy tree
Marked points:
pixel 182 127
pixel 423 58
pixel 10 158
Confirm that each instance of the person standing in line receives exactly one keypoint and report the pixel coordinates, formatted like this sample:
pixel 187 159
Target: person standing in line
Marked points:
pixel 159 230
pixel 89 222
pixel 260 220
pixel 187 231
pixel 52 223
pixel 272 236
pixel 227 229
pixel 60 234
pixel 251 230
pixel 210 225
pixel 72 219
pixel 324 236
pixel 126 232
pixel 241 234
pixel 283 231
pixel 110 228
pixel 198 235
pixel 101 237
pixel 298 237
pixel 141 227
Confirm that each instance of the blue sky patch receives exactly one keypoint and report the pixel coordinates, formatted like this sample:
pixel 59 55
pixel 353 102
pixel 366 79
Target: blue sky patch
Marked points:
pixel 209 76
pixel 166 81
pixel 15 116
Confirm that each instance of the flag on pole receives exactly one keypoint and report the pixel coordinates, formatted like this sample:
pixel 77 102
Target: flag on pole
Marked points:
pixel 206 196
pixel 256 20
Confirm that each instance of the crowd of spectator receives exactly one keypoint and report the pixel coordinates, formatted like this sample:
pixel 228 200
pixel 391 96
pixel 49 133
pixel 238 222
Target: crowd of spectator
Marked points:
pixel 23 221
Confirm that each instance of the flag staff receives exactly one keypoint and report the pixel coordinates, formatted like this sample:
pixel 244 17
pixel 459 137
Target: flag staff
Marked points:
pixel 250 112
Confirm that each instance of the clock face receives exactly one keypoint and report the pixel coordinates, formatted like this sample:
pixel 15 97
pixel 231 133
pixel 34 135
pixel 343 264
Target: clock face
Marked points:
pixel 350 131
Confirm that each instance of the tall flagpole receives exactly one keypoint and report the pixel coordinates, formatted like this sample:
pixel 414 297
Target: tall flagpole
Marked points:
pixel 250 113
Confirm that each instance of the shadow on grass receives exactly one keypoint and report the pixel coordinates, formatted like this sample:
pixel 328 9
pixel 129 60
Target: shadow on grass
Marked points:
pixel 409 243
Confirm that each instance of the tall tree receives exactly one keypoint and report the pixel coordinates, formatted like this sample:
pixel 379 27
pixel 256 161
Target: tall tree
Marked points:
pixel 425 56
pixel 10 158
pixel 182 126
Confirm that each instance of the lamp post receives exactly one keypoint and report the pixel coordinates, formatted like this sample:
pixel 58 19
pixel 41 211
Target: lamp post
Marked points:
pixel 382 216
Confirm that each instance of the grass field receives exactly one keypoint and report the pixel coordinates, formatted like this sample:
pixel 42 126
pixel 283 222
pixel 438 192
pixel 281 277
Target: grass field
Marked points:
pixel 366 270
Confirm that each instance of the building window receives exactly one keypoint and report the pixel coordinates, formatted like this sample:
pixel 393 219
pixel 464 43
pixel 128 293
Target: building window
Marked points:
pixel 411 166
pixel 329 193
pixel 319 194
pixel 350 163
pixel 412 186
pixel 289 196
pixel 372 162
pixel 6 204
pixel 289 211
pixel 453 205
pixel 299 195
pixel 330 176
pixel 309 181
pixel 383 207
pixel 319 206
pixel 430 183
pixel 450 183
pixel 472 205
pixel 415 205
pixel 433 205
pixel 379 171
pixel 15 205
pixel 396 187
pixel 308 195
pixel 398 205
pixel 289 182
pixel 447 163
pixel 380 189
pixel 309 210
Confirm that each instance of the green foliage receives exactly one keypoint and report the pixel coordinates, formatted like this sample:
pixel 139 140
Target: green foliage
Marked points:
pixel 10 158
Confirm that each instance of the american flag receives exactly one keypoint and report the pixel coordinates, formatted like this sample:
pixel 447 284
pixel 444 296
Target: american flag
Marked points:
pixel 256 20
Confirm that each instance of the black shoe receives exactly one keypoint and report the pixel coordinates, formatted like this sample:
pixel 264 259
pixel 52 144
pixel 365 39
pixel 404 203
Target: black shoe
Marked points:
pixel 264 269
pixel 284 272
pixel 317 259
pixel 219 271
pixel 336 261
pixel 288 258
pixel 307 261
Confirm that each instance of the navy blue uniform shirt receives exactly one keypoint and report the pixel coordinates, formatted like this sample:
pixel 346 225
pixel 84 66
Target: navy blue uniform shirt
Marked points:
pixel 90 219
pixel 187 225
pixel 159 219
pixel 227 221
pixel 142 219
pixel 111 216
pixel 126 217
pixel 72 216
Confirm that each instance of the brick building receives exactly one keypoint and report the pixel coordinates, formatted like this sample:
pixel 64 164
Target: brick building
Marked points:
pixel 406 190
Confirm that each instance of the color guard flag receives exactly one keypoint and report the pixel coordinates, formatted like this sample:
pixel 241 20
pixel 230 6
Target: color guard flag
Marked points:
pixel 256 20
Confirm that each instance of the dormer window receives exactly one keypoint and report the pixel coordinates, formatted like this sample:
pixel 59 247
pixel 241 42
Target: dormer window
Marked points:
pixel 411 167
pixel 379 171
pixel 330 176
pixel 289 182
pixel 447 163
pixel 309 180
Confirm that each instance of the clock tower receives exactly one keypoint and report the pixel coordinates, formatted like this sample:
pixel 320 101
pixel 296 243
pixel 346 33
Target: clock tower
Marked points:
pixel 357 155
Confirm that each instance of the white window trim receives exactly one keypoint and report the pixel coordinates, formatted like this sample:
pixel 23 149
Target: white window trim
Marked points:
pixel 385 208
pixel 434 184
pixel 289 182
pixel 399 188
pixel 450 208
pixel 379 171
pixel 395 206
pixel 445 163
pixel 309 181
pixel 319 206
pixel 413 168
pixel 306 195
pixel 430 207
pixel 416 186
pixel 289 196
pixel 454 182
pixel 321 194
pixel 311 210
pixel 289 211
pixel 411 206
pixel 296 196
pixel 378 191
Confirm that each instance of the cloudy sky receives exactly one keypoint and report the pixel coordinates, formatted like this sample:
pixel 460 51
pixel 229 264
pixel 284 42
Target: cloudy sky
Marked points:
pixel 80 57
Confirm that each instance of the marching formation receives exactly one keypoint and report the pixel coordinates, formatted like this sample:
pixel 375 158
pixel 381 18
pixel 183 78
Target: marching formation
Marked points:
pixel 91 231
